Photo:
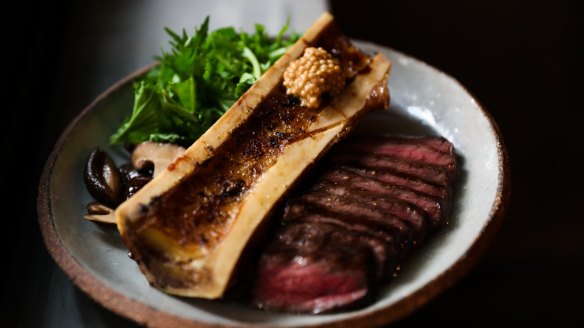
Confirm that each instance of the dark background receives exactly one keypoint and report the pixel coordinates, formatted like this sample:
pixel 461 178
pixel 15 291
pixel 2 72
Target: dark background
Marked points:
pixel 521 59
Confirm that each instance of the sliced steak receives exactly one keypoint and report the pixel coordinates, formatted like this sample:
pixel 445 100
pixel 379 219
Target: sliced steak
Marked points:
pixel 414 216
pixel 306 213
pixel 353 212
pixel 356 222
pixel 431 206
pixel 402 181
pixel 440 144
pixel 418 153
pixel 313 268
pixel 432 174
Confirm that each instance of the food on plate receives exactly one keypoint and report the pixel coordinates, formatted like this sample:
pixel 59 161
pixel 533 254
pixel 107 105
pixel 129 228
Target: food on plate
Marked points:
pixel 102 178
pixel 155 155
pixel 189 226
pixel 111 185
pixel 190 217
pixel 197 82
pixel 98 212
pixel 313 74
pixel 176 101
pixel 373 201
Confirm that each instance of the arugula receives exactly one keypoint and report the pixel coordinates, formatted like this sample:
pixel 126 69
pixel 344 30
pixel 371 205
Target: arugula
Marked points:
pixel 197 82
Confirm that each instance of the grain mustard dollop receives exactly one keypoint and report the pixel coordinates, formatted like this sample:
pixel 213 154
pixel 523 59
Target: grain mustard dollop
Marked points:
pixel 313 74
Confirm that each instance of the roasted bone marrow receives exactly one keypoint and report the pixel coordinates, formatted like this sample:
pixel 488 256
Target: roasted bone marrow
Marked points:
pixel 188 227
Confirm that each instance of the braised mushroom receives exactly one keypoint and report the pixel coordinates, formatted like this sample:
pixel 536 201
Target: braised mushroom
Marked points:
pixel 160 155
pixel 134 179
pixel 102 178
pixel 110 186
pixel 100 213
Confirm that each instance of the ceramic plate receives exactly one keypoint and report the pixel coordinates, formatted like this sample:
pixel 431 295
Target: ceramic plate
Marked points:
pixel 423 101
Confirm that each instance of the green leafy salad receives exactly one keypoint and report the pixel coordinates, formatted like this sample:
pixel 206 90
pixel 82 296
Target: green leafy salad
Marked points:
pixel 197 81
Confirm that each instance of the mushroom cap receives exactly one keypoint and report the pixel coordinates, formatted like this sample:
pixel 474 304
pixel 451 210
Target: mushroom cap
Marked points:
pixel 158 154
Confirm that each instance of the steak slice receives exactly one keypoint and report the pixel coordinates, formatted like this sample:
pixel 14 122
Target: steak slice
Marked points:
pixel 416 218
pixel 353 212
pixel 305 213
pixel 432 174
pixel 431 206
pixel 402 181
pixel 313 268
pixel 385 248
pixel 418 153
pixel 440 144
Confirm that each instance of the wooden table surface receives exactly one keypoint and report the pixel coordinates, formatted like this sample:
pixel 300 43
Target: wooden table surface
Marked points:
pixel 523 60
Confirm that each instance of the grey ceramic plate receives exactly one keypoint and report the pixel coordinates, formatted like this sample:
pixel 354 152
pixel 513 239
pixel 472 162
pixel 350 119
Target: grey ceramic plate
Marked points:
pixel 424 101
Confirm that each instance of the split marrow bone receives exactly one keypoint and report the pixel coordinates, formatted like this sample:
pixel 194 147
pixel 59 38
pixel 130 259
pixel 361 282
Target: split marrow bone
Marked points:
pixel 209 269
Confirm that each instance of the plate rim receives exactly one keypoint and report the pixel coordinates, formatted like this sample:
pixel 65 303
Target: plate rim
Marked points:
pixel 147 315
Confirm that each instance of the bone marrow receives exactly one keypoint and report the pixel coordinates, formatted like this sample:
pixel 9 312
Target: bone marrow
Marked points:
pixel 188 227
